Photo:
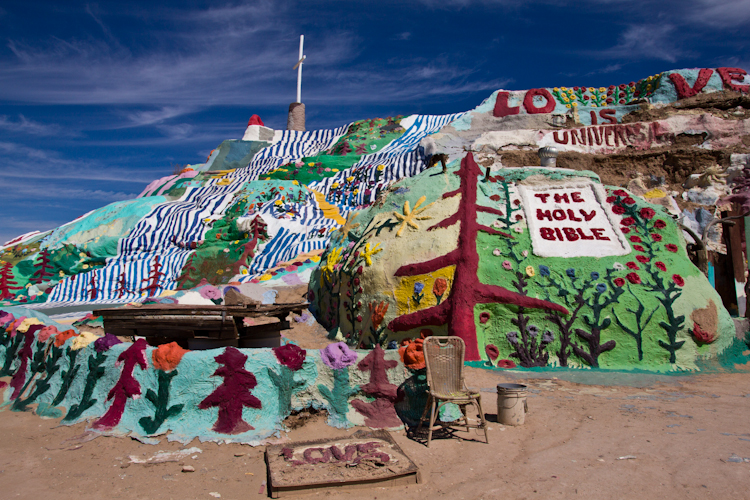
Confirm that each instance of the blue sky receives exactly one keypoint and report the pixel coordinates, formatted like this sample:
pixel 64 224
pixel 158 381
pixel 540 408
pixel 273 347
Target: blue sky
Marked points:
pixel 98 99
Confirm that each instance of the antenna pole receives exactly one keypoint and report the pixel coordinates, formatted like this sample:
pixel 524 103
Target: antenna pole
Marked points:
pixel 299 69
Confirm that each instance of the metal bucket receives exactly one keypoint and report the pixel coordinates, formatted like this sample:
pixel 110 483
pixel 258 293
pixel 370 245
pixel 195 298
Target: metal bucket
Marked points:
pixel 511 404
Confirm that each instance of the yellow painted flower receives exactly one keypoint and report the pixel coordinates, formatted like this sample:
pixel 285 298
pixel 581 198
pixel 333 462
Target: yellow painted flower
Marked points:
pixel 265 277
pixel 82 341
pixel 367 253
pixel 602 89
pixel 557 89
pixel 564 88
pixel 575 104
pixel 244 272
pixel 333 258
pixel 648 87
pixel 349 179
pixel 568 105
pixel 356 191
pixel 335 185
pixel 296 183
pixel 311 164
pixel 278 203
pixel 593 105
pixel 381 168
pixel 530 271
pixel 591 89
pixel 410 216
pixel 219 271
pixel 334 170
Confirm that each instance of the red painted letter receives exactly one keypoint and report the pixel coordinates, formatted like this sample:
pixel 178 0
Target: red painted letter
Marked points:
pixel 528 102
pixel 501 106
pixel 684 90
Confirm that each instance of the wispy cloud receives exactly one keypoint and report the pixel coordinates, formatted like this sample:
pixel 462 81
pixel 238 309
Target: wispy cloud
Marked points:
pixel 724 13
pixel 645 41
pixel 30 127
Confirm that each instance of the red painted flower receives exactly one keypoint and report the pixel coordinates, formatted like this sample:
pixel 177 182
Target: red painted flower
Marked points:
pixel 639 248
pixel 627 221
pixel 611 199
pixel 661 266
pixel 492 351
pixel 618 210
pixel 506 363
pixel 619 192
pixel 678 280
pixel 484 317
pixel 633 278
pixel 655 236
pixel 291 356
pixel 632 265
pixel 625 230
pixel 647 213
pixel 635 239
pixel 619 281
pixel 660 224
pixel 629 201
pixel 671 247
pixel 641 258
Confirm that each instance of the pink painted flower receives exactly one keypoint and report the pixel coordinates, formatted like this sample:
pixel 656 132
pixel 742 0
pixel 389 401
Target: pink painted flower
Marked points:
pixel 507 265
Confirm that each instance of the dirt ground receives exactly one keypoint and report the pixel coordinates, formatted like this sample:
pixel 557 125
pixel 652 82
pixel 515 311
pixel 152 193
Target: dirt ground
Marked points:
pixel 680 431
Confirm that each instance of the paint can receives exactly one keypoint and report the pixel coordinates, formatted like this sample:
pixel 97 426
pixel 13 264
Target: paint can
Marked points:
pixel 511 404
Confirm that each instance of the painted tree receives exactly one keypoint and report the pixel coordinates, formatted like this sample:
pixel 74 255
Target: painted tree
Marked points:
pixel 466 292
pixel 127 386
pixel 153 278
pixel 122 285
pixel 43 267
pixel 258 232
pixel 380 413
pixel 233 394
pixel 187 270
pixel 19 381
pixel 93 290
pixel 7 283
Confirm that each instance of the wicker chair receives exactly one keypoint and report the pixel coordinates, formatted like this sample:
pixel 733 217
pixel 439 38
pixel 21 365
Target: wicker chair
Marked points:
pixel 444 357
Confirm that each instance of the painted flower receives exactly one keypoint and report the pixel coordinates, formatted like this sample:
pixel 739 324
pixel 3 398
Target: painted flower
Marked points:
pixel 639 248
pixel 166 357
pixel 619 192
pixel 619 281
pixel 641 258
pixel 632 265
pixel 525 253
pixel 484 317
pixel 60 338
pixel 660 266
pixel 338 356
pixel 368 252
pixel 544 270
pixel 570 272
pixel 82 340
pixel 618 210
pixel 601 288
pixel 418 287
pixel 548 337
pixel 291 356
pixel 105 343
pixel 492 352
pixel 530 271
pixel 496 252
pixel 46 332
pixel 647 213
pixel 617 266
pixel 512 337
pixel 655 236
pixel 439 287
pixel 507 265
pixel 629 201
pixel 506 363
pixel 532 330
pixel 627 221
pixel 660 224
pixel 635 239
pixel 594 275
pixel 377 312
pixel 633 278
pixel 671 247
pixel 210 292
pixel 678 280
pixel 625 230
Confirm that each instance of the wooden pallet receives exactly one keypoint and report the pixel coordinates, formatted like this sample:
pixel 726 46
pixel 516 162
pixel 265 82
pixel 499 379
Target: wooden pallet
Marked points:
pixel 163 323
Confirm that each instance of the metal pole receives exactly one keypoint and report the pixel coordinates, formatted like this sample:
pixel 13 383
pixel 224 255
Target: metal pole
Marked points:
pixel 299 69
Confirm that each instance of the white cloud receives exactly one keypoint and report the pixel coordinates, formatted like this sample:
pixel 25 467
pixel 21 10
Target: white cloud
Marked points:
pixel 25 126
pixel 645 41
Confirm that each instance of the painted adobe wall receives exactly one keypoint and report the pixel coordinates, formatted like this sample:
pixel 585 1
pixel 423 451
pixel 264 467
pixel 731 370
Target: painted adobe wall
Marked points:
pixel 532 267
pixel 231 395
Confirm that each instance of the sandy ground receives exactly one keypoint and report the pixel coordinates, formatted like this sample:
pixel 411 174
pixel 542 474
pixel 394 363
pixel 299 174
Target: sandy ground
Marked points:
pixel 681 431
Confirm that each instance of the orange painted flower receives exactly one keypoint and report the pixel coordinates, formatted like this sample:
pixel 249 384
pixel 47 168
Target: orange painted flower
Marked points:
pixel 60 338
pixel 166 357
pixel 377 312
pixel 440 286
pixel 412 353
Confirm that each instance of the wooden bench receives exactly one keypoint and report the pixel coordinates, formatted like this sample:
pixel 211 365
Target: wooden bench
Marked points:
pixel 164 323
